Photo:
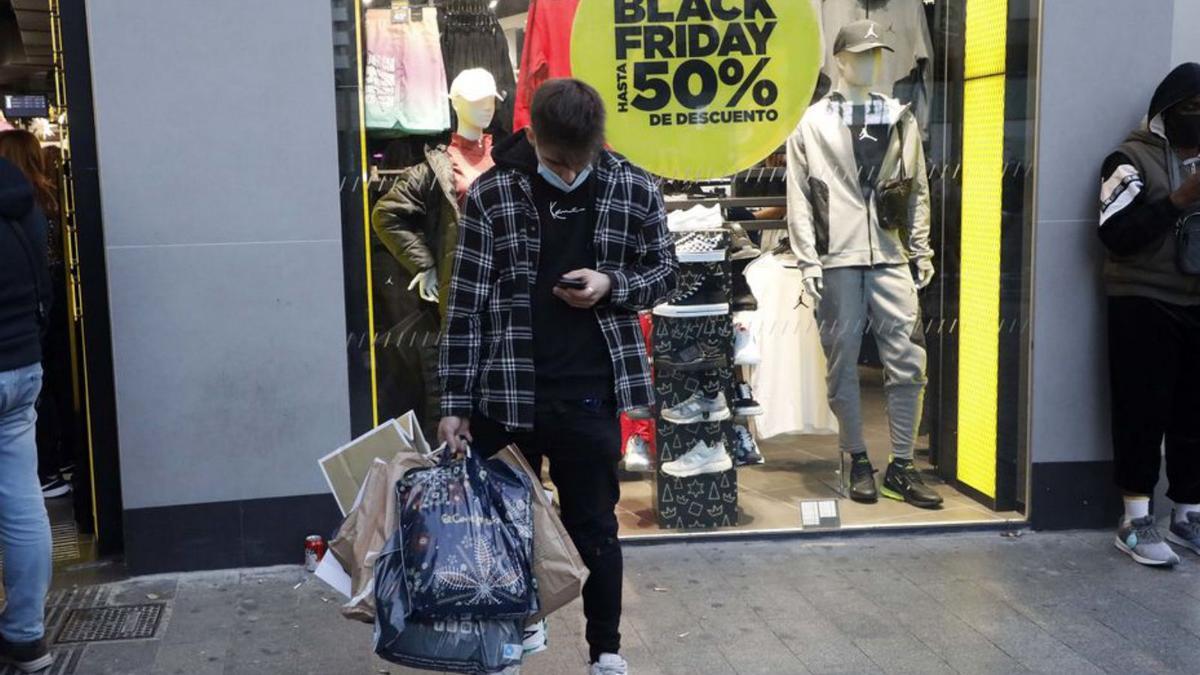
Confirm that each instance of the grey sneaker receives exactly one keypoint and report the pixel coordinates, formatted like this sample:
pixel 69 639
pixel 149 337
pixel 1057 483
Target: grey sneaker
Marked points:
pixel 1144 543
pixel 1186 534
pixel 698 408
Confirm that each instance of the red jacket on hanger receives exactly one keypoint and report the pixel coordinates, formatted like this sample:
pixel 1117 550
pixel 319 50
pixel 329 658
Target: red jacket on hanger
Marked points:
pixel 547 51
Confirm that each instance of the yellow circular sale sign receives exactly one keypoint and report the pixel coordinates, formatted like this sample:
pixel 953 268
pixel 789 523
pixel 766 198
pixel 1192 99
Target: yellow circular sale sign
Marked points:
pixel 698 89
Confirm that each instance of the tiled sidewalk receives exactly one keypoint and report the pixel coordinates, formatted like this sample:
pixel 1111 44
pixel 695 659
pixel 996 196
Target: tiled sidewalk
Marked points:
pixel 951 603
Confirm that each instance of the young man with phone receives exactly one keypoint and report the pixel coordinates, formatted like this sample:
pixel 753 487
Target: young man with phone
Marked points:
pixel 559 247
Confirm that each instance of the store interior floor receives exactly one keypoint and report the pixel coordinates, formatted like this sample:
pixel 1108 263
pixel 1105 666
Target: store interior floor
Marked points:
pixel 803 467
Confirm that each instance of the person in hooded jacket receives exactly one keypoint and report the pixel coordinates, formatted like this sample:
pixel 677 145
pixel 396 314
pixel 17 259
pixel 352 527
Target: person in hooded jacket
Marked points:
pixel 1149 184
pixel 560 244
pixel 24 524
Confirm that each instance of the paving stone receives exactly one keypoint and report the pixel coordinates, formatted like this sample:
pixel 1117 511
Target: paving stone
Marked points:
pixel 1062 603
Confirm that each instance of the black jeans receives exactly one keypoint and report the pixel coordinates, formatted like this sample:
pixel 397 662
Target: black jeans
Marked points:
pixel 1154 363
pixel 582 440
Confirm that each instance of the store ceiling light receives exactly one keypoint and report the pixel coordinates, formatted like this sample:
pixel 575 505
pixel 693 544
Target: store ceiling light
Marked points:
pixel 493 3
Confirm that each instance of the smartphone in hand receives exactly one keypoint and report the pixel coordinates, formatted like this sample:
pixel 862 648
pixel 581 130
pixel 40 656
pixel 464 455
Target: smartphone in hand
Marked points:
pixel 568 282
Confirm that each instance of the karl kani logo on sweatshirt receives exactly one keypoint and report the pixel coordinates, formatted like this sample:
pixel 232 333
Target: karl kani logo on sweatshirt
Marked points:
pixel 564 214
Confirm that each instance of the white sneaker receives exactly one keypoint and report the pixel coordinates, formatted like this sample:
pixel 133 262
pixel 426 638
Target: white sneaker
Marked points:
pixel 534 639
pixel 696 219
pixel 745 347
pixel 609 664
pixel 701 459
pixel 637 455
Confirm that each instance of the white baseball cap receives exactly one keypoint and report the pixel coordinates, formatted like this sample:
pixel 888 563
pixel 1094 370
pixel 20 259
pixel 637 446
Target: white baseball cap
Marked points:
pixel 475 84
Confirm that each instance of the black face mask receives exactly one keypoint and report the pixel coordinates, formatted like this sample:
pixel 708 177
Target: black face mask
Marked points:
pixel 1183 129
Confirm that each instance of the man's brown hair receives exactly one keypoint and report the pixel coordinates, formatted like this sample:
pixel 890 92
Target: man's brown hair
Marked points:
pixel 569 115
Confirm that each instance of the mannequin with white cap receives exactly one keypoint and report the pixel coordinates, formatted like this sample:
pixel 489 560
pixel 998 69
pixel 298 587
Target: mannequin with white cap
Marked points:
pixel 417 219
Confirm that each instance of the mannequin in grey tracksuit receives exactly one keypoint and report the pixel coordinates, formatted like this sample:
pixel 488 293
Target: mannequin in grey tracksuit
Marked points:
pixel 858 271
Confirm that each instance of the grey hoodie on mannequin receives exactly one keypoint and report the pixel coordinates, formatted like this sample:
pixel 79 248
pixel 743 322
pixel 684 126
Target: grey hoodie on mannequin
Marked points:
pixel 830 222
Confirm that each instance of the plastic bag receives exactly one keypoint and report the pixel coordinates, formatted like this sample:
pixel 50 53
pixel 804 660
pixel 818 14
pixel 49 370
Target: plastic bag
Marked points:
pixel 466 534
pixel 441 644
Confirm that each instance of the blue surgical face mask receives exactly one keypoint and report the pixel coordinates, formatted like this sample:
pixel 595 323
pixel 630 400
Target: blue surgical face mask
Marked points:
pixel 554 179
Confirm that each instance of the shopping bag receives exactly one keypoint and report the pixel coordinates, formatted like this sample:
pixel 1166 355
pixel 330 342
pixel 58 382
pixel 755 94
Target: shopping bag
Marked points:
pixel 557 566
pixel 449 645
pixel 466 534
pixel 366 530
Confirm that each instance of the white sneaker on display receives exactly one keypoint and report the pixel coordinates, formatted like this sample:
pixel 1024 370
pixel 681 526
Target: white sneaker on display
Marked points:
pixel 745 347
pixel 696 219
pixel 609 664
pixel 701 459
pixel 637 455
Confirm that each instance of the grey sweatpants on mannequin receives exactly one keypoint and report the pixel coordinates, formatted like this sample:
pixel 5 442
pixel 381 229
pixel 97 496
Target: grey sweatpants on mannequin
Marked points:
pixel 883 298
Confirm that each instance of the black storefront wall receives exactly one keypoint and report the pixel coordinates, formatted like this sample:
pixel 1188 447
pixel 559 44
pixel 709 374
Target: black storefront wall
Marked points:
pixel 101 420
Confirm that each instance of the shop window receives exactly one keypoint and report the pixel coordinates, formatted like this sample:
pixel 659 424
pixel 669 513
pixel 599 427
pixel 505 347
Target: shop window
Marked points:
pixel 950 372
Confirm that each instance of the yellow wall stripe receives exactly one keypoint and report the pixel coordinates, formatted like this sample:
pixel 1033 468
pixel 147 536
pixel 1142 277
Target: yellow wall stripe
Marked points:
pixel 983 187
pixel 366 192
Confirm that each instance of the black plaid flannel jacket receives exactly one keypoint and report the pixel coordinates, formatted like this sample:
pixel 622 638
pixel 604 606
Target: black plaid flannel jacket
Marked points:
pixel 486 356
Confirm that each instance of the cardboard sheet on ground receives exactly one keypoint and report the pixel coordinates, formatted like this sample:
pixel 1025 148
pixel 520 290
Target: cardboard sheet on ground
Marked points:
pixel 346 468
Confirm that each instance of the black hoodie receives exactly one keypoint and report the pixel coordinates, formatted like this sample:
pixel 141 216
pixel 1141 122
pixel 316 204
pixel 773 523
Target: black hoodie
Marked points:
pixel 1137 218
pixel 24 271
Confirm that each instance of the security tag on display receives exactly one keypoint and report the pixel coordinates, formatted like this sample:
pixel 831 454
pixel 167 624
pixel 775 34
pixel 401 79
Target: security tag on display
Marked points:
pixel 819 514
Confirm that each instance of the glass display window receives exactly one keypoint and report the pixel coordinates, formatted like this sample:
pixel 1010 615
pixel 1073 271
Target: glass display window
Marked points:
pixel 848 343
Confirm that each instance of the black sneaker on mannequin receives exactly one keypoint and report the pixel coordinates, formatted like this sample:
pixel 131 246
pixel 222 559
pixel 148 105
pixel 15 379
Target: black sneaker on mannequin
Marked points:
pixel 903 483
pixel 862 479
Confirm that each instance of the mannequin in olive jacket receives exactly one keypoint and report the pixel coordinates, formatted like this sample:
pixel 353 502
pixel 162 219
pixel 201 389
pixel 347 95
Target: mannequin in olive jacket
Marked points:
pixel 417 220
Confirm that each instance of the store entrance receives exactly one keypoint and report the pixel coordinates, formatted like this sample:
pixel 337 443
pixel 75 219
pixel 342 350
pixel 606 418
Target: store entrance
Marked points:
pixel 35 135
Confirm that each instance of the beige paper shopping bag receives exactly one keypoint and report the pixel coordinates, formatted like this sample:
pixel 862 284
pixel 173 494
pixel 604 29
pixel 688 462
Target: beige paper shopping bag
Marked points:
pixel 557 566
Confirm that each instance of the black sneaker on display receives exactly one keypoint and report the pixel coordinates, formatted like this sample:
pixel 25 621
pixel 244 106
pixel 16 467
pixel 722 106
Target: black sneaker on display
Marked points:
pixel 741 297
pixel 862 479
pixel 55 486
pixel 746 451
pixel 903 483
pixel 27 657
pixel 67 471
pixel 699 294
pixel 744 404
pixel 692 357
pixel 700 247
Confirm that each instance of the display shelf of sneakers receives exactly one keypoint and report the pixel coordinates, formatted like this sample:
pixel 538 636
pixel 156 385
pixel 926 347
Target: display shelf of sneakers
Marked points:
pixel 695 480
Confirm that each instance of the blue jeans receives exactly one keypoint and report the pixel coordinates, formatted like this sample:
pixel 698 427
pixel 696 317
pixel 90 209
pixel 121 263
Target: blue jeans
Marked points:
pixel 24 525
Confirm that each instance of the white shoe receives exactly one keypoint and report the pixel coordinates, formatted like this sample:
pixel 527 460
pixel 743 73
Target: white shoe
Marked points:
pixel 745 347
pixel 534 640
pixel 609 664
pixel 701 459
pixel 637 455
pixel 696 219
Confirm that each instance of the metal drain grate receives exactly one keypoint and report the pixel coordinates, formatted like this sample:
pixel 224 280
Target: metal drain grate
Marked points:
pixel 104 624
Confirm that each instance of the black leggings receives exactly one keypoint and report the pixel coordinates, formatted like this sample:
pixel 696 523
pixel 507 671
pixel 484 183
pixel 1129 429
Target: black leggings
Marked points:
pixel 582 440
pixel 1154 363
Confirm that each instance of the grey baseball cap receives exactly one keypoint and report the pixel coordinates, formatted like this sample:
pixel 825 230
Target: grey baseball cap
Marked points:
pixel 860 36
